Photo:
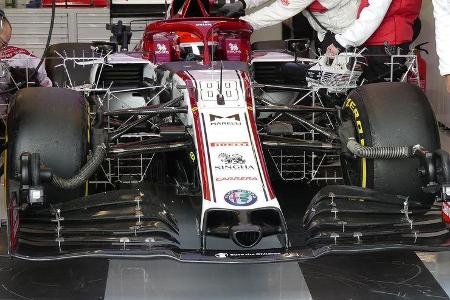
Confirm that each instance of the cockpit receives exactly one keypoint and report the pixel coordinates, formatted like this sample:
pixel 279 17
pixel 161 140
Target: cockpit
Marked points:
pixel 183 36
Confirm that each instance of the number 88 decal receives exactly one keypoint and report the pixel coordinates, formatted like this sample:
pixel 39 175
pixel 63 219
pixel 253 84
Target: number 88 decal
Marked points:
pixel 210 90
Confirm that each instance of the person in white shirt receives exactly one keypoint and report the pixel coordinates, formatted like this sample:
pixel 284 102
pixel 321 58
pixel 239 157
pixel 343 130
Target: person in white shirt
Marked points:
pixel 385 28
pixel 361 30
pixel 442 20
pixel 16 57
pixel 325 16
pixel 13 60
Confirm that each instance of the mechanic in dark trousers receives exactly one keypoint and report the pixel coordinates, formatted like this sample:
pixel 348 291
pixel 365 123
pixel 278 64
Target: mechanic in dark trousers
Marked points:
pixel 323 15
pixel 384 27
pixel 442 19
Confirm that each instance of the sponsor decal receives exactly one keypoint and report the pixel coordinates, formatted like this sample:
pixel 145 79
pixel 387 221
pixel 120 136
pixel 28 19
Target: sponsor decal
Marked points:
pixel 253 254
pixel 161 49
pixel 11 51
pixel 446 211
pixel 231 159
pixel 234 48
pixel 240 198
pixel 236 178
pixel 221 255
pixel 210 89
pixel 233 162
pixel 14 222
pixel 245 254
pixel 230 120
pixel 204 23
pixel 192 156
pixel 229 144
pixel 285 2
pixel 351 105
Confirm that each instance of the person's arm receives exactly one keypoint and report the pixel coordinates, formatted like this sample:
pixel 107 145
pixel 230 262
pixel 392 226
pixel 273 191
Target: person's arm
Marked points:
pixel 442 19
pixel 234 8
pixel 368 22
pixel 43 78
pixel 254 3
pixel 276 13
pixel 41 75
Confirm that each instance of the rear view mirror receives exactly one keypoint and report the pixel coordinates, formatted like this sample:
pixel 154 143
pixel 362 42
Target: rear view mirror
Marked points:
pixel 298 46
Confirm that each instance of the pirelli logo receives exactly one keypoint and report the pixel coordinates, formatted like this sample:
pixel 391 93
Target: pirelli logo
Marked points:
pixel 349 103
pixel 229 144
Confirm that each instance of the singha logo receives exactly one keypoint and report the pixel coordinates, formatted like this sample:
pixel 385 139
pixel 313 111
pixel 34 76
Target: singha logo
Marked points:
pixel 162 49
pixel 233 47
pixel 231 159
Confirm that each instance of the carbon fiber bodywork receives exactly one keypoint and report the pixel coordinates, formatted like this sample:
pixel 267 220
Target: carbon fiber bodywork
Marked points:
pixel 153 223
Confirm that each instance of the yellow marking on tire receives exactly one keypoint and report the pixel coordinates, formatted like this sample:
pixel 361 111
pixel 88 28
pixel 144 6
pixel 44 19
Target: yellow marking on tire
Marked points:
pixel 5 161
pixel 86 188
pixel 364 169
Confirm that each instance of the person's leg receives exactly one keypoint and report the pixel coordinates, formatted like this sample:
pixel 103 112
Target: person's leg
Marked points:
pixel 378 63
pixel 302 28
pixel 376 68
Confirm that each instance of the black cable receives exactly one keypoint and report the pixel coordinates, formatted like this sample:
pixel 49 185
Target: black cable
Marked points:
pixel 47 46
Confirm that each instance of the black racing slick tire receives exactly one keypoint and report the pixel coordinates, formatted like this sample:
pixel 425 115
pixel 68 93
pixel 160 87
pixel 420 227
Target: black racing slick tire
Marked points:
pixel 390 114
pixel 54 123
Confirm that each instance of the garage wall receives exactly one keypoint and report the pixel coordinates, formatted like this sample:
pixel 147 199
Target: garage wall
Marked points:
pixel 436 90
pixel 30 26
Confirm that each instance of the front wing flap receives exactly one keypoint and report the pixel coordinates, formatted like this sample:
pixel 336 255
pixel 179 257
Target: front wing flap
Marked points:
pixel 146 224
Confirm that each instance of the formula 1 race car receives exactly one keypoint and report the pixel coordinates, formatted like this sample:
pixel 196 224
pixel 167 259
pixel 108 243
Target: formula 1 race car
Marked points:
pixel 177 149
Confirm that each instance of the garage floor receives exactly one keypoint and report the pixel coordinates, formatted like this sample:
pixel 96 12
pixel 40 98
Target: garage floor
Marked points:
pixel 387 275
pixel 390 275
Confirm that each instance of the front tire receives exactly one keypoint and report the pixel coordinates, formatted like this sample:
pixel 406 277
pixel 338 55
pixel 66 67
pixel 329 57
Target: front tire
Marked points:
pixel 390 114
pixel 54 123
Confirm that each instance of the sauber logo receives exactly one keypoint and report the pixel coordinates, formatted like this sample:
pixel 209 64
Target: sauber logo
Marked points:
pixel 234 48
pixel 230 120
pixel 162 49
pixel 229 144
